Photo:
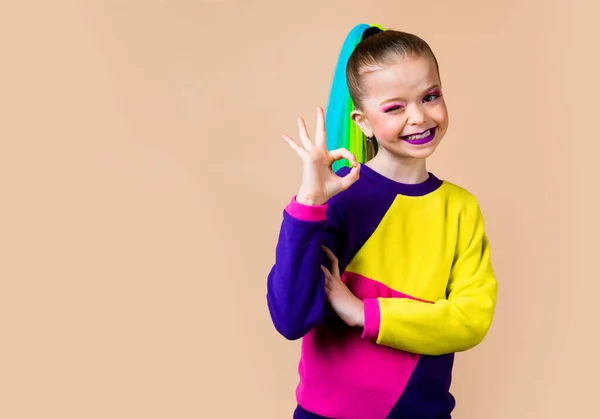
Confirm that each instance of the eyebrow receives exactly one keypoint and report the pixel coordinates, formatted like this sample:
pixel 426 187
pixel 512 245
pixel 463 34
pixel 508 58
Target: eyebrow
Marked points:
pixel 435 86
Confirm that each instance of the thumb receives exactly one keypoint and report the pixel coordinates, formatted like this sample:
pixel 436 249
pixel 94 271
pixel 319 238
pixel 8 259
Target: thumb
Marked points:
pixel 350 178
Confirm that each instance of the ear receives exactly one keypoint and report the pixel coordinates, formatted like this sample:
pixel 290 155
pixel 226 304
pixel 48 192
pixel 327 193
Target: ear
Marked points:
pixel 360 119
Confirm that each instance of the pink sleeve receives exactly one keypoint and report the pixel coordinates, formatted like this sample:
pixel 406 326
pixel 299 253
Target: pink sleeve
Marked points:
pixel 306 212
pixel 372 320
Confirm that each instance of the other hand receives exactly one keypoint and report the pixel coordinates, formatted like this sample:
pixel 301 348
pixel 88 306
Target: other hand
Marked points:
pixel 347 306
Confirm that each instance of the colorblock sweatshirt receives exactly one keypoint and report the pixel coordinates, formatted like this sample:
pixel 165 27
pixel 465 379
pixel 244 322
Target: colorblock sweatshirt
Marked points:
pixel 419 259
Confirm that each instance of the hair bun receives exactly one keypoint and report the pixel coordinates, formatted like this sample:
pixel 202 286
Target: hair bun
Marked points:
pixel 373 30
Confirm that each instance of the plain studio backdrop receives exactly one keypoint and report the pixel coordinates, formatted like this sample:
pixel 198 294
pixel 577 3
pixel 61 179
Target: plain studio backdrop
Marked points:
pixel 143 178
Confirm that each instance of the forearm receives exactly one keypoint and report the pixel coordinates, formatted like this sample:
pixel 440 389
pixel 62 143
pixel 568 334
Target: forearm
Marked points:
pixel 295 285
pixel 446 326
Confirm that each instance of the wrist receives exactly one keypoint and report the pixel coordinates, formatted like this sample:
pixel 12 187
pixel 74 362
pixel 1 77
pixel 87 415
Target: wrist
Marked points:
pixel 359 321
pixel 309 201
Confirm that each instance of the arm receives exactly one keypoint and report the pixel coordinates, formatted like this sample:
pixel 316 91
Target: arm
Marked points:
pixel 295 286
pixel 455 324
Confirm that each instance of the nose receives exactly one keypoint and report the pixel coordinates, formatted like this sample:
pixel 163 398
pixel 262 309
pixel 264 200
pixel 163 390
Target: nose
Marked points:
pixel 416 116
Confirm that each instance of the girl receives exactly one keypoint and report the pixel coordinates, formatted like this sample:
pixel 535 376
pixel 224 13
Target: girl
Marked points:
pixel 381 268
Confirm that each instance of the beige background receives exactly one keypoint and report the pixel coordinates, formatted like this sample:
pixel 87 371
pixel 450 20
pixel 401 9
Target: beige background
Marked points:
pixel 143 176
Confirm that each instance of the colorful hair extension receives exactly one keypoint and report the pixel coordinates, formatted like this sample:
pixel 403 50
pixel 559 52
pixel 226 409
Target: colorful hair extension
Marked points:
pixel 342 132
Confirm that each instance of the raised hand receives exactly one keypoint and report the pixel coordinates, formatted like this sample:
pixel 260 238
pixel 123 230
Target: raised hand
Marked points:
pixel 319 181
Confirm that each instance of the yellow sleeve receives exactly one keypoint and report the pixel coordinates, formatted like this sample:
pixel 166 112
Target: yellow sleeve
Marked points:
pixel 457 323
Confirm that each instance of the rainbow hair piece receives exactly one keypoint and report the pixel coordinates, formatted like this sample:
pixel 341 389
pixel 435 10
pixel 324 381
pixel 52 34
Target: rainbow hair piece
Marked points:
pixel 341 131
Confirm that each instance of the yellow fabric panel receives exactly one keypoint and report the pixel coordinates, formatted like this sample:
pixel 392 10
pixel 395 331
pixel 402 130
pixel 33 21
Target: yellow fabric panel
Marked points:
pixel 412 249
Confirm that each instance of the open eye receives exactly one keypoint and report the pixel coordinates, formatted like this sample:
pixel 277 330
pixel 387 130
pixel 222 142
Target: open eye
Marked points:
pixel 431 97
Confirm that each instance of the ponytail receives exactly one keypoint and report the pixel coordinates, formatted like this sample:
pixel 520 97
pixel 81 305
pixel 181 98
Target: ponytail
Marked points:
pixel 342 132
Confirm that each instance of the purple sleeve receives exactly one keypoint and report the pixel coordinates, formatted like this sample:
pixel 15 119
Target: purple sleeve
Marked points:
pixel 295 285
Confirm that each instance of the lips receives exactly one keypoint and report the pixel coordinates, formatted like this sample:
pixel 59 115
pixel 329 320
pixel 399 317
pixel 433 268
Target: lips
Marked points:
pixel 421 137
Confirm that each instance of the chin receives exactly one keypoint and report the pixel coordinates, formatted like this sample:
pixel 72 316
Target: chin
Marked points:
pixel 422 151
pixel 419 155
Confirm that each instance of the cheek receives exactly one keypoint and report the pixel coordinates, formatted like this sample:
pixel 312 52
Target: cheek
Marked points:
pixel 439 114
pixel 385 126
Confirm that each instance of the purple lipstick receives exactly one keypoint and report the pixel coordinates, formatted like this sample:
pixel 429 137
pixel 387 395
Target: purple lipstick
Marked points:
pixel 420 138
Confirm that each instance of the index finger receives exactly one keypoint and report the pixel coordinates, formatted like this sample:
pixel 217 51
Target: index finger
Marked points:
pixel 321 133
pixel 342 153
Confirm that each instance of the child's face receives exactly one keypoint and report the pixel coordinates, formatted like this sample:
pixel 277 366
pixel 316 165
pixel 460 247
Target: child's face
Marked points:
pixel 402 100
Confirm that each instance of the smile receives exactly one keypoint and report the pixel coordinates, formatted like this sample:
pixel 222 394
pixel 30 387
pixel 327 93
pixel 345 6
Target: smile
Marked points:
pixel 420 138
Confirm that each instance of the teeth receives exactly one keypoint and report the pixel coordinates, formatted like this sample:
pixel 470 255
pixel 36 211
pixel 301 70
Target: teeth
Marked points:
pixel 420 136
